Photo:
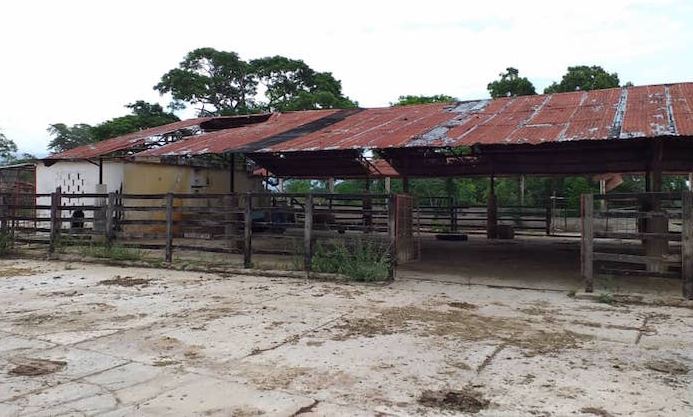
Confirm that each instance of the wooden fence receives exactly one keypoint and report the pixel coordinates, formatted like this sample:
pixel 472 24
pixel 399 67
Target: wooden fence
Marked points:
pixel 243 224
pixel 639 234
pixel 443 215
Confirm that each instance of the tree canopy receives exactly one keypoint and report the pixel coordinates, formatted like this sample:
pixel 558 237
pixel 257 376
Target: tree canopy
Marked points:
pixel 411 99
pixel 511 84
pixel 143 116
pixel 7 149
pixel 221 83
pixel 583 77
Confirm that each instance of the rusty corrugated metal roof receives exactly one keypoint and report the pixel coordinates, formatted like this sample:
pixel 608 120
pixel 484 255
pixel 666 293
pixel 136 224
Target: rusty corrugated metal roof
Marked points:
pixel 240 137
pixel 616 113
pixel 137 139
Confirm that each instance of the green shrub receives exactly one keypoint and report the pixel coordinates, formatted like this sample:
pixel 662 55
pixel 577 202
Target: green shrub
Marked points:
pixel 360 260
pixel 605 298
pixel 5 243
pixel 116 252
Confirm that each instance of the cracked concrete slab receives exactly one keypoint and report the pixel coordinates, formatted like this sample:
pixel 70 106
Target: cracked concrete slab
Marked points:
pixel 195 344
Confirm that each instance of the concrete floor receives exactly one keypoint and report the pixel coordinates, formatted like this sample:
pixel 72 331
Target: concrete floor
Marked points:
pixel 89 340
pixel 538 262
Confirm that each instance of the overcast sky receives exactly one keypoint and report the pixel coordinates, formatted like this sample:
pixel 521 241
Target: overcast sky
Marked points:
pixel 82 61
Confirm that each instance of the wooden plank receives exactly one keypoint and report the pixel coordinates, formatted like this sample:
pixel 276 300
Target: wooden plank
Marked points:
pixel 587 241
pixel 638 236
pixel 308 234
pixel 638 273
pixel 687 245
pixel 248 231
pixel 55 220
pixel 110 207
pixel 637 259
pixel 168 255
pixel 392 236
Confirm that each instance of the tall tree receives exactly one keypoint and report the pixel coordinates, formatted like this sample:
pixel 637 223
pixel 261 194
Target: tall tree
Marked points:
pixel 66 137
pixel 511 84
pixel 290 84
pixel 583 77
pixel 220 82
pixel 7 149
pixel 217 82
pixel 412 99
pixel 143 115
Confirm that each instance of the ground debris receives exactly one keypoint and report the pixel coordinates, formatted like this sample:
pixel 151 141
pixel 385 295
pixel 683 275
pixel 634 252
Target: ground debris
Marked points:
pixel 668 366
pixel 35 367
pixel 466 400
pixel 463 305
pixel 126 281
pixel 463 325
pixel 596 411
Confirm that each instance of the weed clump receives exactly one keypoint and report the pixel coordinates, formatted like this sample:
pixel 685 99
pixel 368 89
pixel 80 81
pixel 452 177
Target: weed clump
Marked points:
pixel 360 260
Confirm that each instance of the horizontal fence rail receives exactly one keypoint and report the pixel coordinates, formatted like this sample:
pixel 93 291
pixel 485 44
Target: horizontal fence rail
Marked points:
pixel 301 228
pixel 639 235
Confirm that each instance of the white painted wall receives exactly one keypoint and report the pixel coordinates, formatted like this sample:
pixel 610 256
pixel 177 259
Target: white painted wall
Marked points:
pixel 75 177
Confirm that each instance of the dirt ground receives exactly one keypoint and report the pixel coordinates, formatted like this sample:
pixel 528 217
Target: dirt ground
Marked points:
pixel 88 340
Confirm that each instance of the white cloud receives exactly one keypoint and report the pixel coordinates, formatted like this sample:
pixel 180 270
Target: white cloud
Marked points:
pixel 81 61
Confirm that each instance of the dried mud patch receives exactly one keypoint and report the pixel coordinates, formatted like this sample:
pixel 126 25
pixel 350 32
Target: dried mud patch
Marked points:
pixel 668 366
pixel 14 271
pixel 596 411
pixel 126 281
pixel 463 305
pixel 461 324
pixel 35 367
pixel 465 400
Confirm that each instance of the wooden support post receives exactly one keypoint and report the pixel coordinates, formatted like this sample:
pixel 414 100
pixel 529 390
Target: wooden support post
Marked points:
pixel 587 240
pixel 492 212
pixel 168 255
pixel 392 235
pixel 4 213
pixel 110 209
pixel 690 181
pixel 522 190
pixel 388 185
pixel 367 207
pixel 405 185
pixel 549 217
pixel 687 244
pixel 248 231
pixel 308 234
pixel 56 221
pixel 330 184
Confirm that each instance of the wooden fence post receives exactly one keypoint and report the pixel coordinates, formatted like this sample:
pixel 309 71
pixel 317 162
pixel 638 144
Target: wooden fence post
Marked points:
pixel 687 244
pixel 392 234
pixel 169 228
pixel 110 209
pixel 587 240
pixel 453 216
pixel 56 221
pixel 4 213
pixel 308 234
pixel 248 231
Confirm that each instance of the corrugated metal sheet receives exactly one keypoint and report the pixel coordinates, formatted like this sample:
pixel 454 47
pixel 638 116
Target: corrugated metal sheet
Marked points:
pixel 617 113
pixel 240 137
pixel 125 142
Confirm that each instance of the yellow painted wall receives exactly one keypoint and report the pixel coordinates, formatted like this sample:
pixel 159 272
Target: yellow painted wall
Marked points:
pixel 152 178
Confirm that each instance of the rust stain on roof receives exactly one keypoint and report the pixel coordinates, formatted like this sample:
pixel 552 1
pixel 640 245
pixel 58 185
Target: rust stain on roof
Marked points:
pixel 610 114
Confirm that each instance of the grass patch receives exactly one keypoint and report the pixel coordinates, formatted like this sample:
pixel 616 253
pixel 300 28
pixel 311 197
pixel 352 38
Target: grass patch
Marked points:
pixel 115 252
pixel 605 298
pixel 360 260
pixel 5 243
